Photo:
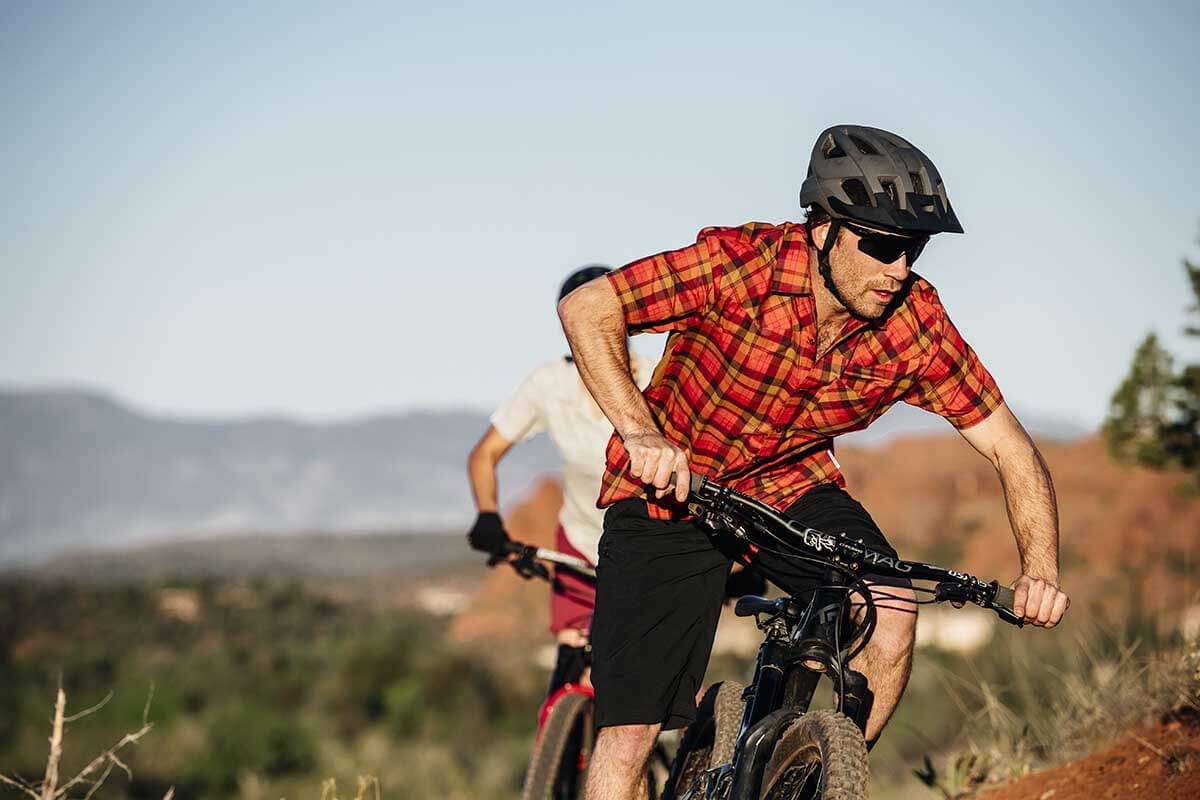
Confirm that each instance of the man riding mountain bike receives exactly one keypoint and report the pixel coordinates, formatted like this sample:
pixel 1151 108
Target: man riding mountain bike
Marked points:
pixel 554 399
pixel 782 337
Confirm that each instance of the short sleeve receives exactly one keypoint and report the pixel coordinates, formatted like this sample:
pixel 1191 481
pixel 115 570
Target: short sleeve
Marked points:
pixel 665 292
pixel 955 384
pixel 520 416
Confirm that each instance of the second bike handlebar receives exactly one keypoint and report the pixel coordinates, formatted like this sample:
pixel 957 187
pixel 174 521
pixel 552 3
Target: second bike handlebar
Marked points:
pixel 528 561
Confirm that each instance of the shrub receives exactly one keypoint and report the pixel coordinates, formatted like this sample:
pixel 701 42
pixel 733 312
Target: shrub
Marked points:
pixel 252 739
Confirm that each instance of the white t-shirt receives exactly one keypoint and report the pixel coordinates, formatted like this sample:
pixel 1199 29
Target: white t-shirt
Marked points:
pixel 554 399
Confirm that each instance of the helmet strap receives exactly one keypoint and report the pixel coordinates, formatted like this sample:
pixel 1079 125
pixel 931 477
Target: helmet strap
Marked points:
pixel 823 260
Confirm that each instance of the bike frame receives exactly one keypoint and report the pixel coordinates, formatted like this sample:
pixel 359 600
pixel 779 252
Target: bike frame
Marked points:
pixel 558 694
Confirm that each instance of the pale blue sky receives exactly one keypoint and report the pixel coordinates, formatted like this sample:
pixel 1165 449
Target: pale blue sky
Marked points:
pixel 330 209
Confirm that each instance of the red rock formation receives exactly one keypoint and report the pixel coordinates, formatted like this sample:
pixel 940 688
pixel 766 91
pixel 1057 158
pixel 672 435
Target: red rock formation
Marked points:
pixel 1128 536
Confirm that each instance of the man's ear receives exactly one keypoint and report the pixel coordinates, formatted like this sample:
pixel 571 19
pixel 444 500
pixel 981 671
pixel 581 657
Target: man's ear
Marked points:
pixel 818 233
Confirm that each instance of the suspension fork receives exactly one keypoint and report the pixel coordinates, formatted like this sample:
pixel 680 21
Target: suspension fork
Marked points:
pixel 791 659
pixel 821 641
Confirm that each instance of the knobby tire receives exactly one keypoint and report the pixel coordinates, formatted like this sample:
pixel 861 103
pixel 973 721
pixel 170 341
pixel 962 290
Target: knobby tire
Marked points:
pixel 547 774
pixel 821 756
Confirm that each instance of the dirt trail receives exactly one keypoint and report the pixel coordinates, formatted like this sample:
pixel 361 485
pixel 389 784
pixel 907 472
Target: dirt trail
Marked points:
pixel 1156 763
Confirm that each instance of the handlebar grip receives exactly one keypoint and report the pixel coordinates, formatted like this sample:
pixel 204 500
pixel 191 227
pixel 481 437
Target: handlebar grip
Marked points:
pixel 693 485
pixel 1003 603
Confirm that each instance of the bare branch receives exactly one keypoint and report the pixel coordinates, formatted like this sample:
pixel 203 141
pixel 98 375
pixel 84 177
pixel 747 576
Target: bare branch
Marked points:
pixel 50 780
pixel 146 708
pixel 99 781
pixel 91 710
pixel 128 772
pixel 170 795
pixel 20 785
pixel 1151 748
pixel 106 756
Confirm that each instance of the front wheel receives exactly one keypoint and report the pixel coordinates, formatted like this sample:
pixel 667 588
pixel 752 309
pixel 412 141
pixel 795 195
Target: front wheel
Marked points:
pixel 821 756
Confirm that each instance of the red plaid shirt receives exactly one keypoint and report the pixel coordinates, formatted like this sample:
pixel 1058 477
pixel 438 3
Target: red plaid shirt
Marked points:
pixel 740 386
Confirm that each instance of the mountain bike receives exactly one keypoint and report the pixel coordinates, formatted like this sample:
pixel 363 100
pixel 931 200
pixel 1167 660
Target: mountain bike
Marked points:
pixel 762 741
pixel 566 721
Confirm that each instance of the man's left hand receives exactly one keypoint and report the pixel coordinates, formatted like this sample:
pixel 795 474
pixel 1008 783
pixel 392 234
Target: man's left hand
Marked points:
pixel 1040 602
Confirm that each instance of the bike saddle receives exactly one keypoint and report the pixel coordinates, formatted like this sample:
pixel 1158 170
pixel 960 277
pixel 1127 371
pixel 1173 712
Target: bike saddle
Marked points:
pixel 752 605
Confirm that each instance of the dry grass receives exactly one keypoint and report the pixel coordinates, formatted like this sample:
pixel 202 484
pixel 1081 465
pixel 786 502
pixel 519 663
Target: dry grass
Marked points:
pixel 92 777
pixel 1048 715
pixel 366 783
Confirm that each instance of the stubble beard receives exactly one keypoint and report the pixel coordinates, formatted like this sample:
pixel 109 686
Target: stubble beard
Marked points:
pixel 860 302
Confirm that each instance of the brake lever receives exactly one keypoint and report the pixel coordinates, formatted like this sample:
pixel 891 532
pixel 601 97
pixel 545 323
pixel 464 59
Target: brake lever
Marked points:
pixel 952 593
pixel 528 567
pixel 1009 616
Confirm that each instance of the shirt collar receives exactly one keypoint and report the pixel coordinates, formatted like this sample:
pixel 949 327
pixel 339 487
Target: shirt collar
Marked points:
pixel 791 270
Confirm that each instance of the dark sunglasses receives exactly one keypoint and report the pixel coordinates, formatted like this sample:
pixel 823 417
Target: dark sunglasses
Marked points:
pixel 886 248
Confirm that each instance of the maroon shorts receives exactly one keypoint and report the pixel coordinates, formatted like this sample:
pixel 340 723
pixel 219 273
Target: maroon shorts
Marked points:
pixel 572 597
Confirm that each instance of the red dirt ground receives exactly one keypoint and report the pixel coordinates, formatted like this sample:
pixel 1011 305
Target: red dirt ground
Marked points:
pixel 1156 763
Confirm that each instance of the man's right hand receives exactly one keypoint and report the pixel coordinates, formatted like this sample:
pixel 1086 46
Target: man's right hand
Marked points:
pixel 652 460
pixel 488 534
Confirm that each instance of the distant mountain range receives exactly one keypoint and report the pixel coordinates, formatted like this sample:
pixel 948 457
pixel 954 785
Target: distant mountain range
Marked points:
pixel 80 470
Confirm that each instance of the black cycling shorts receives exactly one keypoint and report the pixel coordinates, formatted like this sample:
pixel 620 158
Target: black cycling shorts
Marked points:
pixel 659 589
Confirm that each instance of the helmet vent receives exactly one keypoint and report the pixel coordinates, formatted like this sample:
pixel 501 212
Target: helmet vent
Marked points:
pixel 890 188
pixel 864 146
pixel 857 192
pixel 918 184
pixel 831 149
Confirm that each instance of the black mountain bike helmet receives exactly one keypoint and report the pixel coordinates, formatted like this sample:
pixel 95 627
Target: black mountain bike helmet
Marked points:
pixel 581 276
pixel 874 177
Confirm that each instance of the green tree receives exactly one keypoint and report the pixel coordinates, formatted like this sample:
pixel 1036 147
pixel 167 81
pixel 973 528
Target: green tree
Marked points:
pixel 1154 415
pixel 1182 439
pixel 1139 409
pixel 1193 274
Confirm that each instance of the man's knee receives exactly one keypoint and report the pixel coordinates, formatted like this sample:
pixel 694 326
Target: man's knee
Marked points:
pixel 627 745
pixel 896 617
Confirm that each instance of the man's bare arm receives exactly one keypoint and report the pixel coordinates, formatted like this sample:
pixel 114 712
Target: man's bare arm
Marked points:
pixel 481 468
pixel 595 328
pixel 1032 513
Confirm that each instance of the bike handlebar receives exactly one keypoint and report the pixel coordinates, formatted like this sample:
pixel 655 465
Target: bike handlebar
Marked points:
pixel 723 507
pixel 528 558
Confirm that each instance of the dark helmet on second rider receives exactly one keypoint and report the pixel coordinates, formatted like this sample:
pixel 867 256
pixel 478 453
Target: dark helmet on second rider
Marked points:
pixel 581 276
pixel 877 178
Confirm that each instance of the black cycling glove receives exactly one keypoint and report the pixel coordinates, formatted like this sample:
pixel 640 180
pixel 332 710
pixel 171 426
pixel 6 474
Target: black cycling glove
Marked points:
pixel 744 582
pixel 487 534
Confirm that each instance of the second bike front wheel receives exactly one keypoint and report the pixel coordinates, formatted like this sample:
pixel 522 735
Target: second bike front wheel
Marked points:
pixel 557 770
pixel 821 756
